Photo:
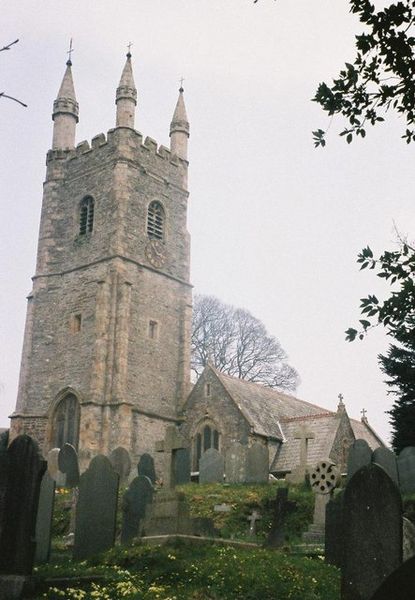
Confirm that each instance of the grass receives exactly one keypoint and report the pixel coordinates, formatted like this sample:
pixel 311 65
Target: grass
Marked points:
pixel 197 572
pixel 187 572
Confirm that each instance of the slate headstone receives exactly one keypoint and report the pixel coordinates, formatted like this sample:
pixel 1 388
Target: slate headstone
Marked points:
pixel 173 441
pixel 257 463
pixel 181 466
pixel 146 467
pixel 360 455
pixel 68 464
pixel 399 585
pixel 211 467
pixel 406 470
pixel 121 462
pixel 386 459
pixel 408 532
pixel 333 541
pixel 44 518
pixel 24 473
pixel 235 463
pixel 96 509
pixel 282 508
pixel 4 461
pixel 134 504
pixel 372 532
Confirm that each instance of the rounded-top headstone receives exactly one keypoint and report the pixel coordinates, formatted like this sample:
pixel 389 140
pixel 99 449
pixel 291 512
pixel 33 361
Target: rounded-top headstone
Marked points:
pixel 360 455
pixel 146 468
pixel 324 477
pixel 121 461
pixel 68 464
pixel 406 470
pixel 386 459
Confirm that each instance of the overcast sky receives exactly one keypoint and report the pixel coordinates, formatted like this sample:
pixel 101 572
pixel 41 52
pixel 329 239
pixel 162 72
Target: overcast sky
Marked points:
pixel 276 224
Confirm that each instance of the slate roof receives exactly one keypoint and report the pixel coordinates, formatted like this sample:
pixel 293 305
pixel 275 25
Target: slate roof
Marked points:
pixel 363 431
pixel 323 425
pixel 264 407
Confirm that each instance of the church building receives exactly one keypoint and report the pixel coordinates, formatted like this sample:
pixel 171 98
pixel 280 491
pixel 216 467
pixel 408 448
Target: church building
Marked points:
pixel 106 352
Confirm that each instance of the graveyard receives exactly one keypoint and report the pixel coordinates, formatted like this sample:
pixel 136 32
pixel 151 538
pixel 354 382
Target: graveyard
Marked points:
pixel 110 533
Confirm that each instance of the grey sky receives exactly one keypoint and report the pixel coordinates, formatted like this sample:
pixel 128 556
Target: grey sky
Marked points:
pixel 275 224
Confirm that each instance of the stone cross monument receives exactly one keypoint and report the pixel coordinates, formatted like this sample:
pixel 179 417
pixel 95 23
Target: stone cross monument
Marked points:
pixel 304 435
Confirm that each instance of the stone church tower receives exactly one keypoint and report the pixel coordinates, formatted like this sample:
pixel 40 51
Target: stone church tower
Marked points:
pixel 106 354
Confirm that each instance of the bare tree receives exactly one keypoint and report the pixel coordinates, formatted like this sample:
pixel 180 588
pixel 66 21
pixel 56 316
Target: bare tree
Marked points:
pixel 238 344
pixel 3 94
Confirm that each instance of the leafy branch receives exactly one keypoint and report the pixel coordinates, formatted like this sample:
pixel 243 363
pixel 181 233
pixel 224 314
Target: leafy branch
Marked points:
pixel 396 313
pixel 381 77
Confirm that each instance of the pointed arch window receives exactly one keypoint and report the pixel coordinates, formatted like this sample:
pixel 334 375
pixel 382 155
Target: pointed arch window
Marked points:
pixel 86 215
pixel 206 437
pixel 65 424
pixel 155 220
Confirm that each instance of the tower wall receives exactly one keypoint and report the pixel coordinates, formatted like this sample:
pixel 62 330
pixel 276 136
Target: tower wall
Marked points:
pixel 95 294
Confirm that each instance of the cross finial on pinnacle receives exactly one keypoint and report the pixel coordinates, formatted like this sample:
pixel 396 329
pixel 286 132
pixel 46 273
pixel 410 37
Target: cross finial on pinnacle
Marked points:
pixel 129 49
pixel 181 84
pixel 341 398
pixel 363 413
pixel 69 61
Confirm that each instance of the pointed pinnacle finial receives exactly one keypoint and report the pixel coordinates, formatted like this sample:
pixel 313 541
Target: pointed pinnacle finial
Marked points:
pixel 129 49
pixel 69 61
pixel 181 89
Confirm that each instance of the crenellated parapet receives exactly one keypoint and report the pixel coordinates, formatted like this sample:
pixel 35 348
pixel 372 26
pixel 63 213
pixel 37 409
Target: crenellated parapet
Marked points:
pixel 123 144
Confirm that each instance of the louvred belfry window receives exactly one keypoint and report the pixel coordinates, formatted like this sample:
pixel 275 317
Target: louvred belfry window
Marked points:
pixel 155 221
pixel 86 216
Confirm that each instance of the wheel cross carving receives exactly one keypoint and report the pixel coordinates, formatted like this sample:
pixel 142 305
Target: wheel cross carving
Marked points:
pixel 324 477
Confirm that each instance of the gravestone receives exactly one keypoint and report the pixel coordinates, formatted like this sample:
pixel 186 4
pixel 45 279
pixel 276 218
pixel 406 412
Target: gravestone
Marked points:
pixel 282 508
pixel 121 462
pixel 96 509
pixel 68 464
pixel 211 467
pixel 146 467
pixel 44 518
pixel 406 470
pixel 4 460
pixel 24 474
pixel 134 504
pixel 53 467
pixel 333 539
pixel 372 532
pixel 173 441
pixel 222 508
pixel 182 466
pixel 235 463
pixel 386 459
pixel 298 474
pixel 324 477
pixel 253 518
pixel 360 455
pixel 408 533
pixel 257 464
pixel 399 585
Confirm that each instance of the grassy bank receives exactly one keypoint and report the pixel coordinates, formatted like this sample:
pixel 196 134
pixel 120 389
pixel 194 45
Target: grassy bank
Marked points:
pixel 186 572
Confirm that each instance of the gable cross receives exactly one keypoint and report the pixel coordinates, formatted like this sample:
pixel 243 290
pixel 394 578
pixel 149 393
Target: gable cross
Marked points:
pixel 129 47
pixel 303 434
pixel 173 441
pixel 181 83
pixel 363 413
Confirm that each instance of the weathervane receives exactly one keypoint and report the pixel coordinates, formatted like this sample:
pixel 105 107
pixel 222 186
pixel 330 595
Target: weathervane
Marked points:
pixel 69 61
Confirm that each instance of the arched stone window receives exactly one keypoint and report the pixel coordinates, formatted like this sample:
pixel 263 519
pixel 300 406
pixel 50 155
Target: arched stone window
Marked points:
pixel 206 437
pixel 86 215
pixel 155 221
pixel 65 422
